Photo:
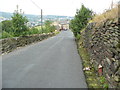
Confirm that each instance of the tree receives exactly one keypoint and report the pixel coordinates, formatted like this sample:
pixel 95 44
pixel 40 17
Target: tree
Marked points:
pixel 7 26
pixel 49 27
pixel 19 23
pixel 53 28
pixel 80 20
pixel 32 30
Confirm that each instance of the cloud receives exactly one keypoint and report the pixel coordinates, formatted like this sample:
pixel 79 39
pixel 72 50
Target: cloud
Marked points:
pixel 55 7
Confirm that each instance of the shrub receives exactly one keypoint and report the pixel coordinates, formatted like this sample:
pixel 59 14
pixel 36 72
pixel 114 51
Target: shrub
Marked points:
pixel 49 27
pixel 19 22
pixel 32 31
pixel 7 26
pixel 78 36
pixel 80 20
pixel 6 35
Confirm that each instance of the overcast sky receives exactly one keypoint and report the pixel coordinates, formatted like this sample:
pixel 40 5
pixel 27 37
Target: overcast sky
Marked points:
pixel 55 7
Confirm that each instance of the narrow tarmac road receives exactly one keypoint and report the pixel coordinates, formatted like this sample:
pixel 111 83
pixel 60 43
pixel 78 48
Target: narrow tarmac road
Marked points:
pixel 51 63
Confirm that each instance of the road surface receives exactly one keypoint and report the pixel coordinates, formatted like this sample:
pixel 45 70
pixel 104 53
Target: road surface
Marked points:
pixel 51 63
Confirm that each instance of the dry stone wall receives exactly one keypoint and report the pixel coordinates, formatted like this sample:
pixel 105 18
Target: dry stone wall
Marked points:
pixel 9 44
pixel 102 42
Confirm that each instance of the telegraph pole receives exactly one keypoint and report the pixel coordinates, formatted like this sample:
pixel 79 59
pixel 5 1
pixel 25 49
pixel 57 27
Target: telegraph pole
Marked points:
pixel 41 14
pixel 111 5
pixel 41 21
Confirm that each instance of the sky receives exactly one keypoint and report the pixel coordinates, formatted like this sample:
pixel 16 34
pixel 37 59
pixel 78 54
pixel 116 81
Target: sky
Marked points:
pixel 55 7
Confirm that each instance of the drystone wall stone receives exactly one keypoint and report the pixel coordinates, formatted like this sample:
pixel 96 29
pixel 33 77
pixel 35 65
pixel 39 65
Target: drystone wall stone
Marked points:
pixel 9 44
pixel 101 43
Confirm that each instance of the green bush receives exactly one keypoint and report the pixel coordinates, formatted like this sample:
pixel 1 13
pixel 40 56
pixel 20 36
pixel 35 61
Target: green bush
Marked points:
pixel 80 20
pixel 6 35
pixel 7 26
pixel 78 36
pixel 48 27
pixel 33 31
pixel 19 22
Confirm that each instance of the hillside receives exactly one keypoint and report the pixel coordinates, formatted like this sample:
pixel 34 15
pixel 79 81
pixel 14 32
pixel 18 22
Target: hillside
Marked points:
pixel 35 17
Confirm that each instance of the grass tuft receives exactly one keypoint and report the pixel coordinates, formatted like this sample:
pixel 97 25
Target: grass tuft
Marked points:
pixel 108 14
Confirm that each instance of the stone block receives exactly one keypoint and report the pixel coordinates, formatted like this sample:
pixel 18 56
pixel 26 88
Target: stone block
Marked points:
pixel 116 64
pixel 108 60
pixel 118 71
pixel 117 78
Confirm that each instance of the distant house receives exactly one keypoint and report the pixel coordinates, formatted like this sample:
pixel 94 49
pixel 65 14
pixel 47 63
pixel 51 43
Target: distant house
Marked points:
pixel 56 24
pixel 3 19
pixel 61 24
pixel 64 24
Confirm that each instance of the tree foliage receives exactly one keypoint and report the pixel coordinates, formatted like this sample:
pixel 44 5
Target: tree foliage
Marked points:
pixel 33 30
pixel 6 34
pixel 80 20
pixel 49 27
pixel 7 26
pixel 18 26
pixel 7 29
pixel 19 22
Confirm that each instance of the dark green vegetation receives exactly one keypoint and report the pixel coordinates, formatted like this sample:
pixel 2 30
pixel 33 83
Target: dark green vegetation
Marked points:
pixel 48 27
pixel 80 20
pixel 19 23
pixel 18 26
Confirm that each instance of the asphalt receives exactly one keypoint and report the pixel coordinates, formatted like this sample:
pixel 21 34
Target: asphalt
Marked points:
pixel 51 63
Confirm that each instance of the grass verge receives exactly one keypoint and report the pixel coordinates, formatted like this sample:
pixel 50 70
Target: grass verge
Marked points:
pixel 92 78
